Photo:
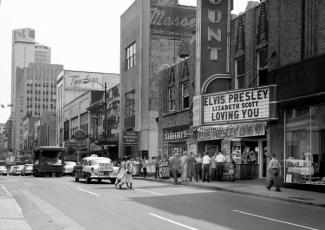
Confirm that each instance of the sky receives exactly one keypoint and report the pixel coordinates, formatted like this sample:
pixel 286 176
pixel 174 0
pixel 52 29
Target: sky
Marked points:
pixel 83 34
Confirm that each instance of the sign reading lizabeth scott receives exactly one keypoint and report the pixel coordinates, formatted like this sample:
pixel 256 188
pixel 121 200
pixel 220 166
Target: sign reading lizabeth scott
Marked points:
pixel 130 138
pixel 231 131
pixel 239 105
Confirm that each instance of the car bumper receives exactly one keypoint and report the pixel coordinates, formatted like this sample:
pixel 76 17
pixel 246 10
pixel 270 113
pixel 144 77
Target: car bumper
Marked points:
pixel 110 176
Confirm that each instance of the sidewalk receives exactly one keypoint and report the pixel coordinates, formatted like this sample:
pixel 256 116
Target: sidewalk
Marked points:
pixel 11 217
pixel 255 188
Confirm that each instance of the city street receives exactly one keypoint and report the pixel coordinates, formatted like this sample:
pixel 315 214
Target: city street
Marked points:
pixel 61 203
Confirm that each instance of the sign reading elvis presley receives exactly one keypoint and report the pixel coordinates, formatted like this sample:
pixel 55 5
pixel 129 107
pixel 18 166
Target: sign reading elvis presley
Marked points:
pixel 249 104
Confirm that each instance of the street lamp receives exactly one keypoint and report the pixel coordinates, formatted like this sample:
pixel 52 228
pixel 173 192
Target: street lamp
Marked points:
pixel 105 105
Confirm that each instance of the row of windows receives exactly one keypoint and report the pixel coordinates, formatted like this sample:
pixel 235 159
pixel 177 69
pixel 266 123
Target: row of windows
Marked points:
pixel 130 103
pixel 40 85
pixel 262 64
pixel 39 92
pixel 39 99
pixel 30 106
pixel 185 96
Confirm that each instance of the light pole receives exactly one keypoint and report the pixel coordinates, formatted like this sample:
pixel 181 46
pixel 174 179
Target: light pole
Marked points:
pixel 105 105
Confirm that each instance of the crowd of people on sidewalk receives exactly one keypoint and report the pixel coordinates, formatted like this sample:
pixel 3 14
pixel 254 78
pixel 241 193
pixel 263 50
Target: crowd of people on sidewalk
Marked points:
pixel 205 167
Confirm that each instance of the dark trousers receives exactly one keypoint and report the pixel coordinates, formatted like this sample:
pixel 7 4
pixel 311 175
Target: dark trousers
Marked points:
pixel 174 171
pixel 144 172
pixel 274 179
pixel 199 171
pixel 206 172
pixel 156 172
pixel 213 173
pixel 219 170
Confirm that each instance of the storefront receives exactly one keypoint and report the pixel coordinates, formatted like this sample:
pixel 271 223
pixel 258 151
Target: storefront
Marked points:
pixel 244 144
pixel 304 153
pixel 177 139
pixel 237 124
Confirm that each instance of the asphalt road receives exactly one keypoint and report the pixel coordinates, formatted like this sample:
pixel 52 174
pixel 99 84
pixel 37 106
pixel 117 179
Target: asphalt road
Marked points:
pixel 61 203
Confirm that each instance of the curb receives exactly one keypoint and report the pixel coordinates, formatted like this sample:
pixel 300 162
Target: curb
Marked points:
pixel 238 192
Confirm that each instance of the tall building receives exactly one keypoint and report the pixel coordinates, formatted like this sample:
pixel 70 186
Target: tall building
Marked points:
pixel 153 33
pixel 24 52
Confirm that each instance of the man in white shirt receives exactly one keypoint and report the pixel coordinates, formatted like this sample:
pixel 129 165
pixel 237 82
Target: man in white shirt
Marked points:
pixel 206 161
pixel 220 159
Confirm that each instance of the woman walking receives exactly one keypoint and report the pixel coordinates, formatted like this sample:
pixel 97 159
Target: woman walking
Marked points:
pixel 129 170
pixel 184 161
pixel 121 176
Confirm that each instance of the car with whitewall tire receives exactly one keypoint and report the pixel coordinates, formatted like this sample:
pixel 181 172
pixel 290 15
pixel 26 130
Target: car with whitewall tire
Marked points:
pixel 96 168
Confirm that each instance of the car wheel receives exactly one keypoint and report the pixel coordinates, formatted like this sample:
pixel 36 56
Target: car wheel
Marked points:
pixel 58 174
pixel 35 173
pixel 113 181
pixel 99 180
pixel 76 179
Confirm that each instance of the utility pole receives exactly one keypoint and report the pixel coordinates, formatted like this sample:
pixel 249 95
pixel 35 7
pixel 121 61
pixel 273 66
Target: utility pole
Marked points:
pixel 104 126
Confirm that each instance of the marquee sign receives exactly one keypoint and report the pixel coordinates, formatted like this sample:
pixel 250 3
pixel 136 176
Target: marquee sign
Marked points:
pixel 130 138
pixel 231 131
pixel 239 105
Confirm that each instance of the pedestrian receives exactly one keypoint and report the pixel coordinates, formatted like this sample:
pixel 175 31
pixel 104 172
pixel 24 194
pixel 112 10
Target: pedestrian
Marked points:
pixel 220 160
pixel 121 176
pixel 274 170
pixel 156 163
pixel 175 166
pixel 144 167
pixel 213 167
pixel 206 161
pixel 184 161
pixel 198 160
pixel 129 171
pixel 191 164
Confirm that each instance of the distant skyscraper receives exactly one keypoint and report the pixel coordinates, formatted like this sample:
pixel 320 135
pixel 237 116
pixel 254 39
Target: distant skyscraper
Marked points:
pixel 24 52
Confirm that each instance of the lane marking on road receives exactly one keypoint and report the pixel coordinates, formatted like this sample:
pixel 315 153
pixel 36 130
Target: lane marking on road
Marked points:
pixel 280 221
pixel 6 190
pixel 92 193
pixel 173 222
pixel 142 190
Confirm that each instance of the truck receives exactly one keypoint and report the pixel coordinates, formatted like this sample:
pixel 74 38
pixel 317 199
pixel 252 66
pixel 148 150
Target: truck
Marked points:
pixel 48 160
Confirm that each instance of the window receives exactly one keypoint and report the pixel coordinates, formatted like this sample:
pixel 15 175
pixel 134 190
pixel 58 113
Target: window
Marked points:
pixel 304 148
pixel 130 56
pixel 130 103
pixel 171 98
pixel 185 95
pixel 262 64
pixel 240 72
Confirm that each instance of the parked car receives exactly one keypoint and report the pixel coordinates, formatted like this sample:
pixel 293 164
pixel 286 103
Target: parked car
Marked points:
pixel 17 170
pixel 68 167
pixel 97 168
pixel 27 170
pixel 3 170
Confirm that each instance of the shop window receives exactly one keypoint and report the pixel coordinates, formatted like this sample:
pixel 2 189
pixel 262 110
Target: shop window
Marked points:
pixel 304 149
pixel 185 95
pixel 240 72
pixel 130 56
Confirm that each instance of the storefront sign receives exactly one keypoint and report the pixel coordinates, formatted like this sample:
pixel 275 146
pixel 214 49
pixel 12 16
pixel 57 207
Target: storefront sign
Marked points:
pixel 130 138
pixel 231 131
pixel 76 144
pixel 237 105
pixel 177 134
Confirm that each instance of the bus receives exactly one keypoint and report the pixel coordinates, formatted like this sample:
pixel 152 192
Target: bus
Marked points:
pixel 48 160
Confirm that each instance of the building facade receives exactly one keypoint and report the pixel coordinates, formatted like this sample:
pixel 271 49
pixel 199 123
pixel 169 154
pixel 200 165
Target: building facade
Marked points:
pixel 2 140
pixel 153 33
pixel 73 84
pixel 24 52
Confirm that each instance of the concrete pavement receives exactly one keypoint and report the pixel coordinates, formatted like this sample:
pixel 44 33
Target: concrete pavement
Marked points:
pixel 255 188
pixel 11 217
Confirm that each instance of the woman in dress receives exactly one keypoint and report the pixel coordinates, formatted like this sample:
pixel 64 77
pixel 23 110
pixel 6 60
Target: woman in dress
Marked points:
pixel 184 163
pixel 121 176
pixel 129 171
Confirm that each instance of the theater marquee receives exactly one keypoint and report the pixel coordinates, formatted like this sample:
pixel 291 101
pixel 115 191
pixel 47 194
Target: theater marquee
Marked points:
pixel 240 105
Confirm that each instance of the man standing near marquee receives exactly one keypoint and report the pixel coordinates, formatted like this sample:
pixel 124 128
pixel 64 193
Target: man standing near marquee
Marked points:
pixel 220 159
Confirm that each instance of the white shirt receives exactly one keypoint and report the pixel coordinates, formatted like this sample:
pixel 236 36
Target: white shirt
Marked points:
pixel 220 158
pixel 206 160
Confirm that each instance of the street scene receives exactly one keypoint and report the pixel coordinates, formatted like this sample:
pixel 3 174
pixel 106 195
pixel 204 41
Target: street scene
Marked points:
pixel 162 114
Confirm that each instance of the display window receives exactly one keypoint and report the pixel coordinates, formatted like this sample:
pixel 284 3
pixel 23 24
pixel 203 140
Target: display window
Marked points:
pixel 305 145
